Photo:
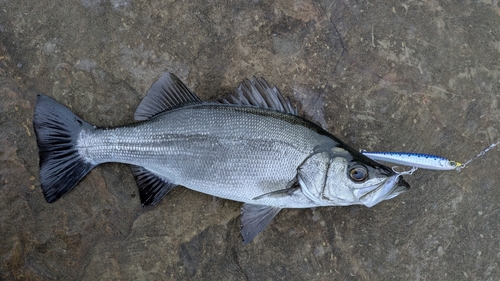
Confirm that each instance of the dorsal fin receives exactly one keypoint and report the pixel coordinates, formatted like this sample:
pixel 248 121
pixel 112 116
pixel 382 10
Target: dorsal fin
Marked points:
pixel 258 93
pixel 168 92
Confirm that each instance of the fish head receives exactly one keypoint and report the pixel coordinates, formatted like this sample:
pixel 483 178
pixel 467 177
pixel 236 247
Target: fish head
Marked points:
pixel 350 178
pixel 371 185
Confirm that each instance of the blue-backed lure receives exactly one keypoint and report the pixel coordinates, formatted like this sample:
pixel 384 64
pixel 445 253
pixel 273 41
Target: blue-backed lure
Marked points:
pixel 419 160
pixel 422 160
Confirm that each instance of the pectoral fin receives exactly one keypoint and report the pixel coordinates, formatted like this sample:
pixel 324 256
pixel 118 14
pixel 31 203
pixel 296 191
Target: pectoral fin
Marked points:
pixel 291 188
pixel 254 218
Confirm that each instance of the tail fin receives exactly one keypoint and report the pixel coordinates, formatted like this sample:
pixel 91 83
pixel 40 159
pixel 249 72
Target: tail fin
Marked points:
pixel 57 130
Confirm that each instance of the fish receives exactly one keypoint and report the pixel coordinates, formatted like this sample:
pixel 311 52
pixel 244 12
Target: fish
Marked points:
pixel 251 146
pixel 418 160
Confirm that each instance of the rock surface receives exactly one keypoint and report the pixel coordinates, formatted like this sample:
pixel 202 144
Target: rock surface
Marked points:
pixel 382 75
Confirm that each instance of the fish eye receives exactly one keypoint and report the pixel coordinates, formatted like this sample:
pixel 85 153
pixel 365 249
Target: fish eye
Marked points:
pixel 358 174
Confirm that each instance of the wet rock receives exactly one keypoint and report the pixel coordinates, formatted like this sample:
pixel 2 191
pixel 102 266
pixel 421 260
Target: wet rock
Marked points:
pixel 382 76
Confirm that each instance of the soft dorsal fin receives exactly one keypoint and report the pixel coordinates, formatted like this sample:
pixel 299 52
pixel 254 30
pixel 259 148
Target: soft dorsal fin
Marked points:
pixel 168 92
pixel 258 93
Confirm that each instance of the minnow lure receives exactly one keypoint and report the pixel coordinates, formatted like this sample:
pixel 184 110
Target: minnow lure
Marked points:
pixel 419 160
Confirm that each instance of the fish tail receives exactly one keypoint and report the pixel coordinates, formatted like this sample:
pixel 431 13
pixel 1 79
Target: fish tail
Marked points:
pixel 57 130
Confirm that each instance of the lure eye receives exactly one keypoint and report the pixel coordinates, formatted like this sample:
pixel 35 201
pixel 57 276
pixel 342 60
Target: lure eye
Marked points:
pixel 358 174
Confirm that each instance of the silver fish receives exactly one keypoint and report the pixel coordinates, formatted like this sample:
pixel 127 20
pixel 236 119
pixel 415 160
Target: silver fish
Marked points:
pixel 251 147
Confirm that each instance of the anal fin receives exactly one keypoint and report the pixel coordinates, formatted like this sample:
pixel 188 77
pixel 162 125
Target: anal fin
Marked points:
pixel 254 218
pixel 152 188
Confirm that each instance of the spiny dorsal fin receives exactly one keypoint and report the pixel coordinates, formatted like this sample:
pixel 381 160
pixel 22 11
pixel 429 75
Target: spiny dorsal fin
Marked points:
pixel 258 93
pixel 168 92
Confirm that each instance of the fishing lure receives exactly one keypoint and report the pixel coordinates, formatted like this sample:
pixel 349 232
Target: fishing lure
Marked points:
pixel 419 160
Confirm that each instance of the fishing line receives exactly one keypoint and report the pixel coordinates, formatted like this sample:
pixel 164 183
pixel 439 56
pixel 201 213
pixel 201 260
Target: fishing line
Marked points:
pixel 477 156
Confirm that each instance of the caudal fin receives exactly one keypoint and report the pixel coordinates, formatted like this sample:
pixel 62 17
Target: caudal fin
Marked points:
pixel 57 130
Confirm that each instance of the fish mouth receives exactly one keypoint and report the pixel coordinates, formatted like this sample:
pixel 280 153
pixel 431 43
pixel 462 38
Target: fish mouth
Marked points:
pixel 401 187
pixel 392 187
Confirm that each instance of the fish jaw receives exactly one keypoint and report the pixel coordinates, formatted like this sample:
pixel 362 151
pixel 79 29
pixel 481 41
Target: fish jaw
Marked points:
pixel 393 186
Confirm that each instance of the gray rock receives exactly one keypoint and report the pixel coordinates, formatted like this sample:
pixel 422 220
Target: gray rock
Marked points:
pixel 387 75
